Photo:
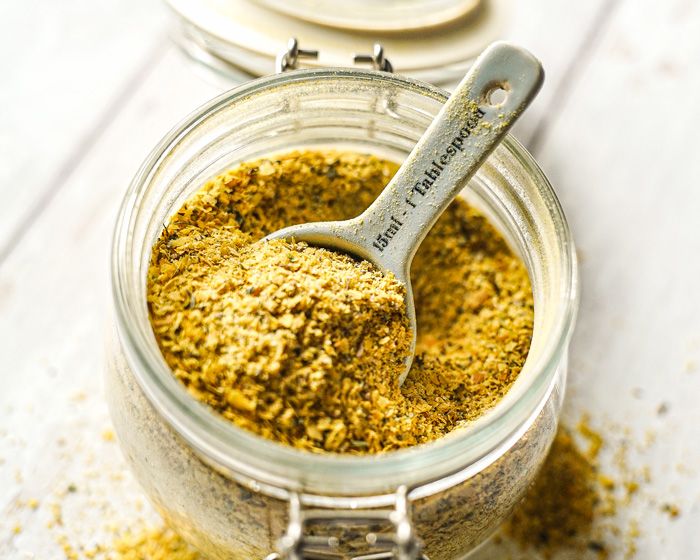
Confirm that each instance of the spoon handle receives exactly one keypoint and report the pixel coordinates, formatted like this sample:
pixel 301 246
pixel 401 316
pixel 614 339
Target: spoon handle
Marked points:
pixel 498 87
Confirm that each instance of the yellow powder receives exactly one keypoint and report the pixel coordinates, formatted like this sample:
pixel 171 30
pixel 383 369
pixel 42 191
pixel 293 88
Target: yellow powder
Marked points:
pixel 298 331
pixel 152 544
pixel 570 506
pixel 559 509
pixel 304 346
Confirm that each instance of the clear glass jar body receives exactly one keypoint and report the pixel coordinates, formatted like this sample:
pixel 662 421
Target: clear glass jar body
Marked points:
pixel 228 491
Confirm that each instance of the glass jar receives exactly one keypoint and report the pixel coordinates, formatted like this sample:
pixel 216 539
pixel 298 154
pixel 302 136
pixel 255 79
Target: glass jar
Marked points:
pixel 237 496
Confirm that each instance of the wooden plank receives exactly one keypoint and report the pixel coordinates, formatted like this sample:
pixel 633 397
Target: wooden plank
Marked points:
pixel 54 294
pixel 560 34
pixel 67 68
pixel 622 155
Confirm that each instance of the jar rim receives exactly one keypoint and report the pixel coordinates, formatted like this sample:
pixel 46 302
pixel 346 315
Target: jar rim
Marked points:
pixel 250 457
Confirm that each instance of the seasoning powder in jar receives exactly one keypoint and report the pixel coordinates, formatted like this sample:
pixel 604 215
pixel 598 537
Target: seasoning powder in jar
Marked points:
pixel 303 345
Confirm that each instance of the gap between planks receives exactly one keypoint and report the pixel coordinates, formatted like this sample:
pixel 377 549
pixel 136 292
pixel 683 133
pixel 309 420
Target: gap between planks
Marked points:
pixel 573 73
pixel 85 144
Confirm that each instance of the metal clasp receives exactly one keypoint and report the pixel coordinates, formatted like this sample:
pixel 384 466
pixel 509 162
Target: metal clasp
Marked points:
pixel 399 544
pixel 377 59
pixel 289 58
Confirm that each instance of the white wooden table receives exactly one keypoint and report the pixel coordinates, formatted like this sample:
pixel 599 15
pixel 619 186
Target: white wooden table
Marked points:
pixel 87 88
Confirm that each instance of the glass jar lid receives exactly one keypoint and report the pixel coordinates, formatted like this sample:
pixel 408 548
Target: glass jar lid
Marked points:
pixel 434 40
pixel 369 15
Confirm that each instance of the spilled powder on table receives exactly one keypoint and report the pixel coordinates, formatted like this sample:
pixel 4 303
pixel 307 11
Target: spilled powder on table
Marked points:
pixel 570 508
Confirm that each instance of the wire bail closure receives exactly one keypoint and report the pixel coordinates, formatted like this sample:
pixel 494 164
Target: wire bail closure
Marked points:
pixel 376 59
pixel 289 58
pixel 401 544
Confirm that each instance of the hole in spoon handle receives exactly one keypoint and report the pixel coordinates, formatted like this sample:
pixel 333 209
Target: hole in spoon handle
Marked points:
pixel 484 106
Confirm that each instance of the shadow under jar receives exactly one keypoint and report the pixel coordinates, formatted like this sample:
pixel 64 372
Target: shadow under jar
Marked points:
pixel 237 496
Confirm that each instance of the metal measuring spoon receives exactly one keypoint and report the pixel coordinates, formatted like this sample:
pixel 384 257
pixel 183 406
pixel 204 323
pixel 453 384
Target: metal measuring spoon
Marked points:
pixel 498 87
